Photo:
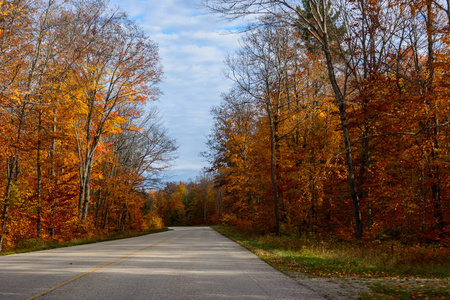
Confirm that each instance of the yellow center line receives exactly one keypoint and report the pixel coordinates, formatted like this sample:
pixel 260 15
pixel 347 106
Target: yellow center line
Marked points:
pixel 105 264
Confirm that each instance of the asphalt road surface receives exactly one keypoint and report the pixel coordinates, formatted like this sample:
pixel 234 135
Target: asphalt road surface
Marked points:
pixel 185 263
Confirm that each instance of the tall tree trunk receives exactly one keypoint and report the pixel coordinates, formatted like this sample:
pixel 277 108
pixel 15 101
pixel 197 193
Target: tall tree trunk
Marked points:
pixel 272 169
pixel 364 167
pixel 434 121
pixel 86 157
pixel 340 98
pixel 11 176
pixel 424 199
pixel 312 173
pixel 39 177
pixel 448 13
pixel 87 188
pixel 82 188
pixel 53 180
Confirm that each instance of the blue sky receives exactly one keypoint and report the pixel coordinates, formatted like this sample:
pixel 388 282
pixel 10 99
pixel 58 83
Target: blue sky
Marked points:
pixel 192 46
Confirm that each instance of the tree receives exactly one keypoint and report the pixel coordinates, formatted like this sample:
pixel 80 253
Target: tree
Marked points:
pixel 315 17
pixel 120 68
pixel 230 144
pixel 14 20
pixel 73 79
pixel 367 47
pixel 261 69
pixel 130 163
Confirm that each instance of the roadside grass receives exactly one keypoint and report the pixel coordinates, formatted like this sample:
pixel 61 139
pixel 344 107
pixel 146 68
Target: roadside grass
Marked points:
pixel 392 266
pixel 43 244
pixel 404 290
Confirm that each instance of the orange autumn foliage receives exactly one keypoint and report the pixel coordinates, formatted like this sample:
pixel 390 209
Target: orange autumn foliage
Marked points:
pixel 394 84
pixel 62 112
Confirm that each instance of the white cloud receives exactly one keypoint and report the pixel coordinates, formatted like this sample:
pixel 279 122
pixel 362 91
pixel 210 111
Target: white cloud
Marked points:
pixel 192 49
pixel 187 166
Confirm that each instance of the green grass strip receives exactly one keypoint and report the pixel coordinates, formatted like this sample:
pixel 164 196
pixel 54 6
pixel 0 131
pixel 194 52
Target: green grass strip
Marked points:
pixel 30 246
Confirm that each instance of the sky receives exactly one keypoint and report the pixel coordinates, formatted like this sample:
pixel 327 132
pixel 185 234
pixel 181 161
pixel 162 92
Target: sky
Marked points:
pixel 192 47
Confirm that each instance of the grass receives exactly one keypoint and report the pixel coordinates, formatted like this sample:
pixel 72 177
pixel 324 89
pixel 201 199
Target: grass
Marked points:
pixel 40 244
pixel 407 291
pixel 390 266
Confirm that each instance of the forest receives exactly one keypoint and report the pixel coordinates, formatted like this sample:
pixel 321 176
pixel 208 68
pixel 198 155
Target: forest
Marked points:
pixel 78 148
pixel 337 122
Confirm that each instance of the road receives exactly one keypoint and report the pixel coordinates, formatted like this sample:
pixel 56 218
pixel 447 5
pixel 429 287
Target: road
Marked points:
pixel 184 263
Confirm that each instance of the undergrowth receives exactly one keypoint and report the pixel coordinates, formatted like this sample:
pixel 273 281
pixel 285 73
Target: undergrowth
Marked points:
pixel 405 291
pixel 337 258
pixel 392 270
